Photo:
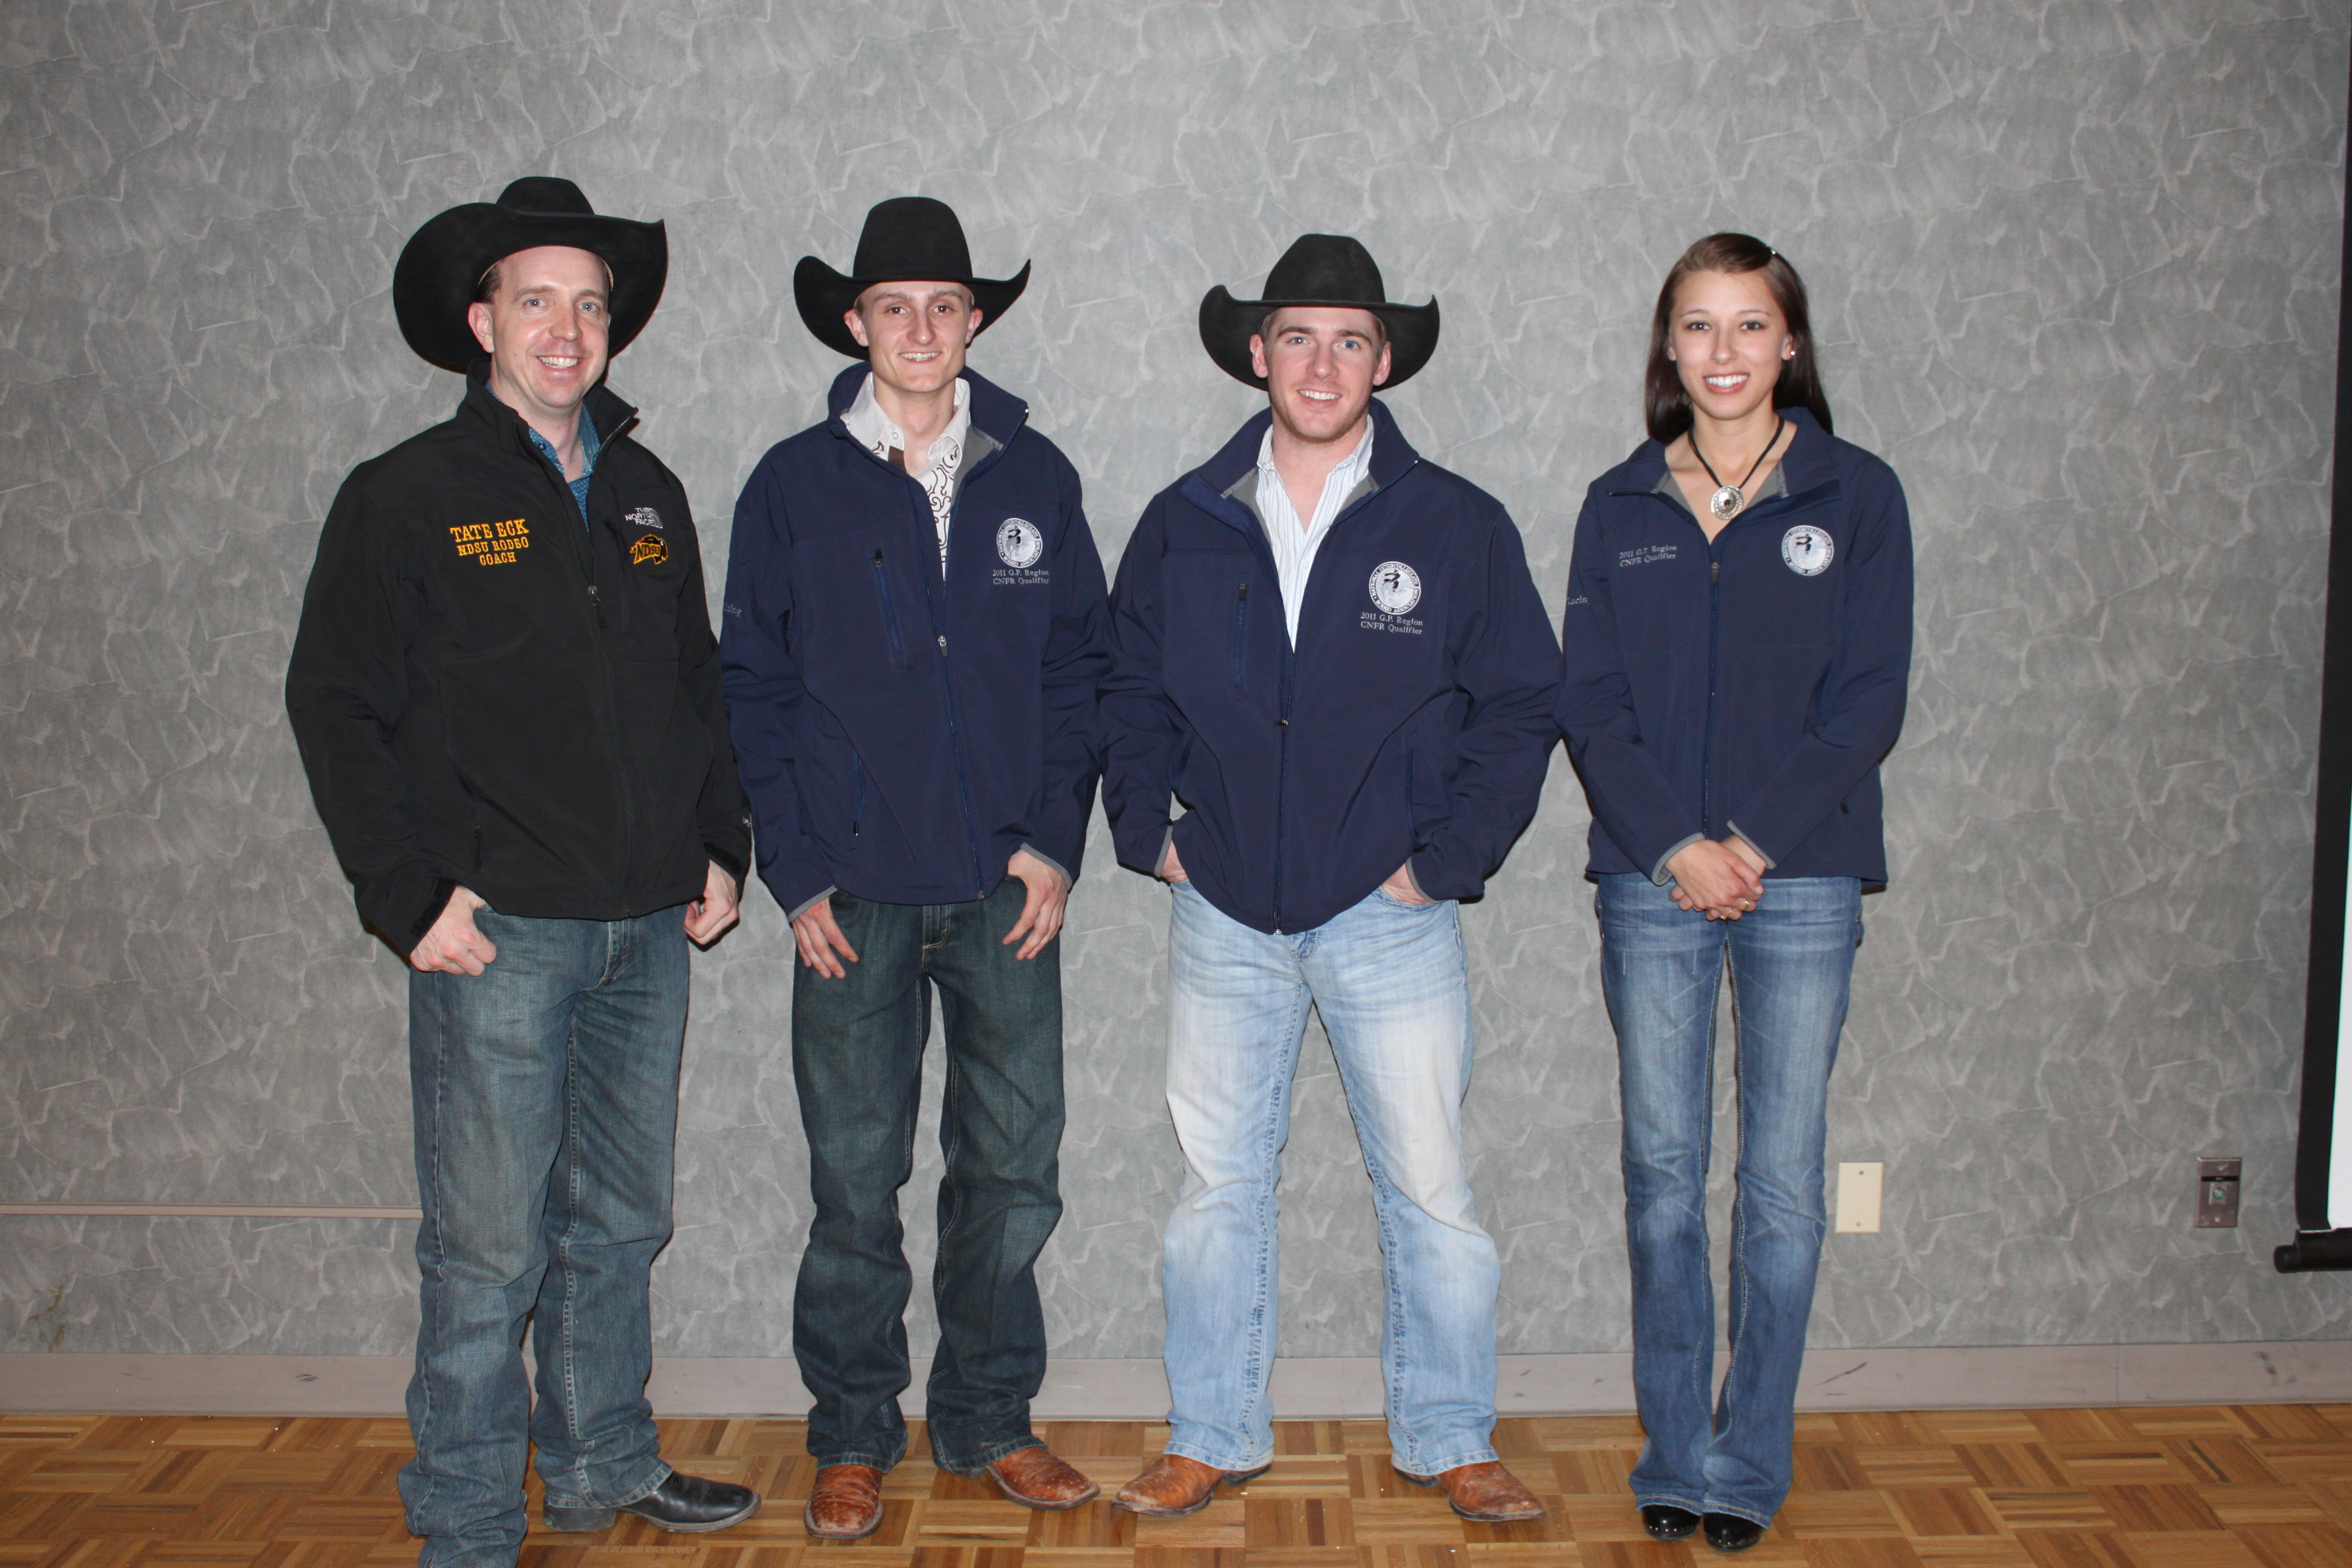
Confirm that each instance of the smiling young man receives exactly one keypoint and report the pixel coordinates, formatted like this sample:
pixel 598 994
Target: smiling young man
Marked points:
pixel 506 694
pixel 1328 651
pixel 913 638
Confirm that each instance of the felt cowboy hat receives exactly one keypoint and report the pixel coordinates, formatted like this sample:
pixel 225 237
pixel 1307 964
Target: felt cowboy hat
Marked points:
pixel 443 263
pixel 1317 270
pixel 911 238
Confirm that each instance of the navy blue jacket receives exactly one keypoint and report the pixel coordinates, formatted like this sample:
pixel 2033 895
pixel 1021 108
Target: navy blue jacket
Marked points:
pixel 1748 685
pixel 1420 730
pixel 901 735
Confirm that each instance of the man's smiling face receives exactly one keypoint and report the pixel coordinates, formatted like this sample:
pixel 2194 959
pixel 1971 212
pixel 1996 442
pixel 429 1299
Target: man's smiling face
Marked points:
pixel 546 331
pixel 915 333
pixel 1320 365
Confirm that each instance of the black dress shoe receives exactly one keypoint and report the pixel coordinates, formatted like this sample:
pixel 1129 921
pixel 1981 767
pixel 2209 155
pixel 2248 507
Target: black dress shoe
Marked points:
pixel 687 1504
pixel 1729 1532
pixel 1665 1521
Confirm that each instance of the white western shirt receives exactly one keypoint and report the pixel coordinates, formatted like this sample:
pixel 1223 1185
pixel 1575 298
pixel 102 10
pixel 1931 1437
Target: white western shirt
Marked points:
pixel 1295 545
pixel 877 434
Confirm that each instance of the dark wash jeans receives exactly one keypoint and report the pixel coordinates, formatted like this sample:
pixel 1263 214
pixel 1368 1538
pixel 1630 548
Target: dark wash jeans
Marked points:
pixel 1791 964
pixel 546 1105
pixel 857 1059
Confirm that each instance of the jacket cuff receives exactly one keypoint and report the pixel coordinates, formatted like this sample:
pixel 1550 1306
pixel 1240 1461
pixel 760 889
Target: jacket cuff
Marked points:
pixel 1750 839
pixel 1036 854
pixel 1659 875
pixel 1414 878
pixel 443 888
pixel 727 860
pixel 795 914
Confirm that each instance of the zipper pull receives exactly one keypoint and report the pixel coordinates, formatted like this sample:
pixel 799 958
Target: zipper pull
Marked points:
pixel 1241 590
pixel 877 558
pixel 597 601
pixel 1715 572
pixel 943 644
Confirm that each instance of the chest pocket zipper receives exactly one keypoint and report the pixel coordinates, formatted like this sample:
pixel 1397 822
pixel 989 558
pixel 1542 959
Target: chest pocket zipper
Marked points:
pixel 1241 635
pixel 889 613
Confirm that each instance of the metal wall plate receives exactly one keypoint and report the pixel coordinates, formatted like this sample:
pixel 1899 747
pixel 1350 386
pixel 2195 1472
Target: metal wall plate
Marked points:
pixel 2217 1192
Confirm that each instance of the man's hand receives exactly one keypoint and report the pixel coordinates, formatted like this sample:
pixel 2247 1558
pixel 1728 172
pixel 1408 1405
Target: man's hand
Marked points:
pixel 1399 887
pixel 818 936
pixel 454 945
pixel 1171 870
pixel 1041 914
pixel 1724 879
pixel 709 916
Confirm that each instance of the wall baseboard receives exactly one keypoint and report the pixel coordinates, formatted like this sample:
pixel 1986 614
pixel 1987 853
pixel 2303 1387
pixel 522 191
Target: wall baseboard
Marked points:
pixel 1940 1378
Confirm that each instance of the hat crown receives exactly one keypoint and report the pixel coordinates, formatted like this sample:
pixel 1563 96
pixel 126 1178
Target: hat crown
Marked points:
pixel 546 193
pixel 1333 267
pixel 912 237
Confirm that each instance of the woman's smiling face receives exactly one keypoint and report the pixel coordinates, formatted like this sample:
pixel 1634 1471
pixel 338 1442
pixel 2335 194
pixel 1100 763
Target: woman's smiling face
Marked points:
pixel 1728 340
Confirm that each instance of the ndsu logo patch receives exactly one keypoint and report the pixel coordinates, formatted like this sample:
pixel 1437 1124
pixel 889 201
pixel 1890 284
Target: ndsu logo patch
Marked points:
pixel 1807 551
pixel 642 516
pixel 650 551
pixel 1396 588
pixel 1019 542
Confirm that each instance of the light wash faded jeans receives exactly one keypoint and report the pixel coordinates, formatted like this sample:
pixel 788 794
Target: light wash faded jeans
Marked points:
pixel 1792 961
pixel 546 1105
pixel 1391 982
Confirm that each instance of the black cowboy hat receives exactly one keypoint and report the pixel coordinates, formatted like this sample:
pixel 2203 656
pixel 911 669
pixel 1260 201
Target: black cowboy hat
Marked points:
pixel 905 238
pixel 444 262
pixel 1317 270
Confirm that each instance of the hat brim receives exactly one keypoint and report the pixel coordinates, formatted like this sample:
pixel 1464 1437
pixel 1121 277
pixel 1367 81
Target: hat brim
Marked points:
pixel 825 295
pixel 434 282
pixel 1227 324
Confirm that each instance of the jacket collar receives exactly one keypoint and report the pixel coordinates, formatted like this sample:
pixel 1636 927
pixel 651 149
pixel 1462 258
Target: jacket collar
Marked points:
pixel 1237 458
pixel 605 409
pixel 995 413
pixel 1810 460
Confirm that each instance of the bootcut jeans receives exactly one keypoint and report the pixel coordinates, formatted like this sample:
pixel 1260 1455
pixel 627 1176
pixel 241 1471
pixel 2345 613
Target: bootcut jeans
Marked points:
pixel 545 1094
pixel 857 1059
pixel 1791 960
pixel 1390 982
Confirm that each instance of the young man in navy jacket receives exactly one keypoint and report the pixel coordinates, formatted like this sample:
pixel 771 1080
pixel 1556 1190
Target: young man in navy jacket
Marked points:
pixel 1330 653
pixel 912 642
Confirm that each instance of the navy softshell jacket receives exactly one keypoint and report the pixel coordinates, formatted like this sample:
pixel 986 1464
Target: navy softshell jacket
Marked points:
pixel 902 734
pixel 1415 719
pixel 1748 685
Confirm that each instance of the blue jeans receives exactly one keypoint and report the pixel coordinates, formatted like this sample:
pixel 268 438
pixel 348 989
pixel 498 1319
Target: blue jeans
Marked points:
pixel 1792 960
pixel 1392 987
pixel 858 1058
pixel 546 1105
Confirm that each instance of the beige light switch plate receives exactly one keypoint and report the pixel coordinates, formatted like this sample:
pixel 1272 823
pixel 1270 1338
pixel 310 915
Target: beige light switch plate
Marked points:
pixel 1858 1190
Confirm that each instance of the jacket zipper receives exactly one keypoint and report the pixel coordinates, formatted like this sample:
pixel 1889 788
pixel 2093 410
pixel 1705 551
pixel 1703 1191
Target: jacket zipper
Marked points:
pixel 889 613
pixel 1241 636
pixel 1714 626
pixel 1289 678
pixel 857 793
pixel 566 507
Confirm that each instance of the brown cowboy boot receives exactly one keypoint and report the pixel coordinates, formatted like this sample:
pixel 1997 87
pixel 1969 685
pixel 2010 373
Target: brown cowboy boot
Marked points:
pixel 1484 1492
pixel 1034 1478
pixel 1175 1486
pixel 846 1504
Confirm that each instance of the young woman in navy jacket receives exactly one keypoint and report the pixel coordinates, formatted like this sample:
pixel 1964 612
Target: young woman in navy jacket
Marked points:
pixel 1737 640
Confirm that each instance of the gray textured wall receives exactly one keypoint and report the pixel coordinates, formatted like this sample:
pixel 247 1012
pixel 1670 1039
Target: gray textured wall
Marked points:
pixel 2075 270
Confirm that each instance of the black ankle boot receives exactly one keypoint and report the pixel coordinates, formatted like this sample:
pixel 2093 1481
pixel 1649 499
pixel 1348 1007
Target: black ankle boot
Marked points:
pixel 1665 1521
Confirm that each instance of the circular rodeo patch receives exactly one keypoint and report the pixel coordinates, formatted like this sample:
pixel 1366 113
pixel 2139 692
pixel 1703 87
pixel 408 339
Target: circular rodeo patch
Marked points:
pixel 1019 542
pixel 1396 587
pixel 1807 551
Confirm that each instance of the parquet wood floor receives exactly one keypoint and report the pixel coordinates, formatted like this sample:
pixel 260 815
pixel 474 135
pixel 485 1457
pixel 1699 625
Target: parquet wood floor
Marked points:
pixel 2226 1487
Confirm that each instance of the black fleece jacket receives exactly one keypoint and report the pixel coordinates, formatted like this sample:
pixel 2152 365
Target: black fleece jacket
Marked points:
pixel 487 693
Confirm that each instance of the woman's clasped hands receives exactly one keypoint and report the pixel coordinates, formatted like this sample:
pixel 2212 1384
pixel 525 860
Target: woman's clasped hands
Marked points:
pixel 1723 877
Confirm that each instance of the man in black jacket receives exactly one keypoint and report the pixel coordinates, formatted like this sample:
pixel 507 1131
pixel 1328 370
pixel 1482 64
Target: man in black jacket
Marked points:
pixel 506 692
